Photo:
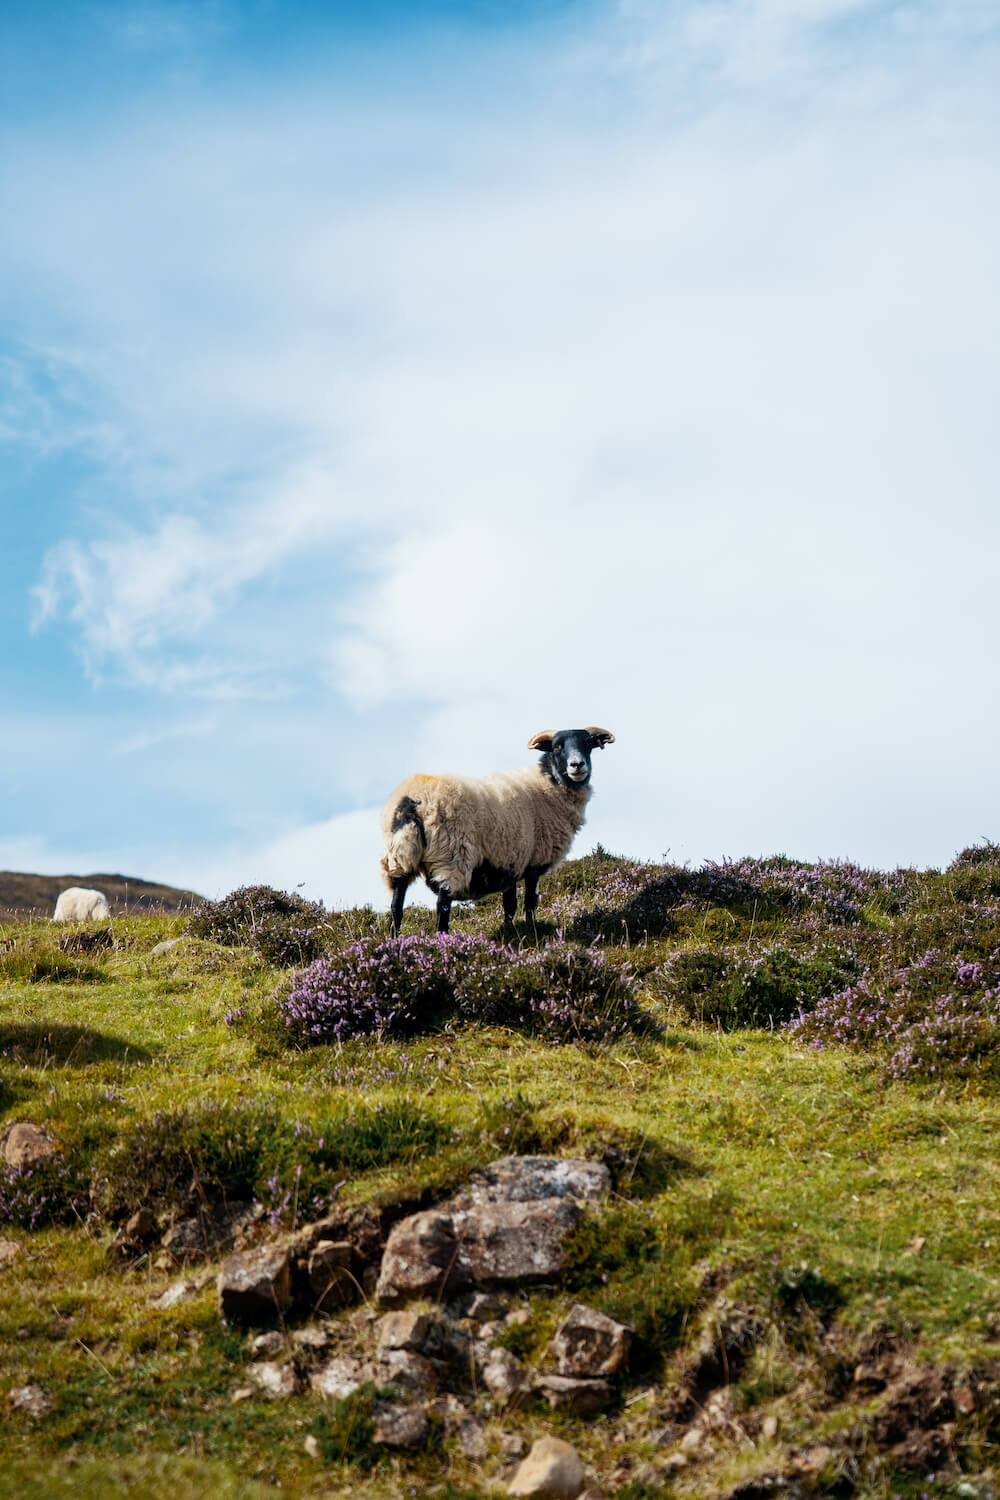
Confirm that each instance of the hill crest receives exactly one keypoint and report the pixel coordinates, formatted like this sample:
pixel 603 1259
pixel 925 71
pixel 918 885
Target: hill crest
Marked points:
pixel 23 894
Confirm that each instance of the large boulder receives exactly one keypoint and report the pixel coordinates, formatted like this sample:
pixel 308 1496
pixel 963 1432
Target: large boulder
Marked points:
pixel 506 1227
pixel 26 1145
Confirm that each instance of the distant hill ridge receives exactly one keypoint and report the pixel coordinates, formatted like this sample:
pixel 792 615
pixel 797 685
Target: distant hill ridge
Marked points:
pixel 35 895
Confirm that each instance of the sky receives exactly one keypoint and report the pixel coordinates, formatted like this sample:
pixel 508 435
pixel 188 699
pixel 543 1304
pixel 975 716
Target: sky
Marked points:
pixel 381 385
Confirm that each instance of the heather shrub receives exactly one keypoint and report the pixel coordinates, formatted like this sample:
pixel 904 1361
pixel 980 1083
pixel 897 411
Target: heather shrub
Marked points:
pixel 935 1017
pixel 765 989
pixel 55 1191
pixel 282 927
pixel 399 987
pixel 983 853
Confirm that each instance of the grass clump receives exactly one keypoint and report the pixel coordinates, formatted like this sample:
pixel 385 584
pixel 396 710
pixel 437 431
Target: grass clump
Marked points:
pixel 767 988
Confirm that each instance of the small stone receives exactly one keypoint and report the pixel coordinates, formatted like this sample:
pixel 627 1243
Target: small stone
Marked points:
pixel 340 1377
pixel 471 1438
pixel 31 1399
pixel 692 1439
pixel 400 1426
pixel 504 1376
pixel 9 1251
pixel 581 1397
pixel 242 1393
pixel 409 1373
pixel 518 1317
pixel 402 1330
pixel 311 1445
pixel 551 1471
pixel 589 1344
pixel 164 947
pixel 178 1291
pixel 311 1340
pixel 267 1345
pixel 255 1285
pixel 25 1145
pixel 512 1446
pixel 769 1428
pixel 483 1305
pixel 274 1380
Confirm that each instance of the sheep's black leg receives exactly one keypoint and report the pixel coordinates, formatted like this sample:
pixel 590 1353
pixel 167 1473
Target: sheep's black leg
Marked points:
pixel 443 909
pixel 509 904
pixel 399 889
pixel 531 877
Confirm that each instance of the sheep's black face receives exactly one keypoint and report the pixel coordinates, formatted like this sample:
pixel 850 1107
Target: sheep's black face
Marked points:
pixel 569 759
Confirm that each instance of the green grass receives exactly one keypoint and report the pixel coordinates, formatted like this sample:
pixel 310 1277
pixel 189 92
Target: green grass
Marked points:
pixel 844 1208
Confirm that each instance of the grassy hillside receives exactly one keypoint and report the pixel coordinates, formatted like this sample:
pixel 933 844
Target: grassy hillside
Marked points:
pixel 36 895
pixel 798 1101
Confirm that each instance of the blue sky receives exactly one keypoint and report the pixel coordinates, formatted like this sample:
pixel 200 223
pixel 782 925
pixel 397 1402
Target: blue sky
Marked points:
pixel 380 385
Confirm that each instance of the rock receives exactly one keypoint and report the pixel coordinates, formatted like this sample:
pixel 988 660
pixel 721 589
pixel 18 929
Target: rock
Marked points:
pixel 692 1439
pixel 442 1249
pixel 331 1279
pixel 242 1393
pixel 507 1226
pixel 589 1344
pixel 551 1471
pixel 31 1399
pixel 504 1376
pixel 311 1445
pixel 179 1291
pixel 582 1397
pixel 142 1226
pixel 255 1285
pixel 402 1330
pixel 769 1428
pixel 400 1426
pixel 311 1340
pixel 341 1377
pixel 512 1446
pixel 164 947
pixel 25 1145
pixel 267 1345
pixel 275 1380
pixel 483 1305
pixel 405 1370
pixel 9 1251
pixel 471 1438
pixel 526 1179
pixel 215 1226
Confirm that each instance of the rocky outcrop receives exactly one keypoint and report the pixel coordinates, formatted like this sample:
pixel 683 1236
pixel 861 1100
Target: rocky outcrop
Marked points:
pixel 256 1285
pixel 506 1228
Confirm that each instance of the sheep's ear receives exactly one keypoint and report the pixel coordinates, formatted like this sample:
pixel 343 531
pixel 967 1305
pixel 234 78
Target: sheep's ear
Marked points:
pixel 541 741
pixel 600 737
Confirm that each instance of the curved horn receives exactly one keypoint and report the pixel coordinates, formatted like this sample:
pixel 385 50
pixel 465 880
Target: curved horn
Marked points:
pixel 600 737
pixel 541 741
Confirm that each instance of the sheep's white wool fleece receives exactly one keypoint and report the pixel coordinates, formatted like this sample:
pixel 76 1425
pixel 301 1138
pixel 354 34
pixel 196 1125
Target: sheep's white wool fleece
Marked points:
pixel 78 904
pixel 512 819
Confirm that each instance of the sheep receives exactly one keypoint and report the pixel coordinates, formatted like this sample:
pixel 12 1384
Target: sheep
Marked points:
pixel 77 904
pixel 472 837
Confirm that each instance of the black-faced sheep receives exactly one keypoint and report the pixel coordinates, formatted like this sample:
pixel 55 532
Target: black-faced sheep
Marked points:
pixel 78 904
pixel 474 836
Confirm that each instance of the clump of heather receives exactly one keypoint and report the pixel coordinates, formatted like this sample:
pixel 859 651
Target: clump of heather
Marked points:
pixel 283 928
pixel 938 1016
pixel 983 853
pixel 624 901
pixel 55 1191
pixel 399 987
pixel 763 989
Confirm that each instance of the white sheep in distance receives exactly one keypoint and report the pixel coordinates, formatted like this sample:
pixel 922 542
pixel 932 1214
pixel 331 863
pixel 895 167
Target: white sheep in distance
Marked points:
pixel 473 836
pixel 77 904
